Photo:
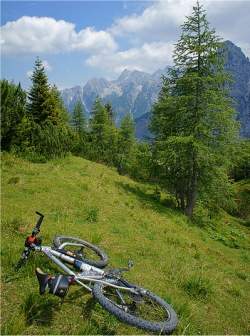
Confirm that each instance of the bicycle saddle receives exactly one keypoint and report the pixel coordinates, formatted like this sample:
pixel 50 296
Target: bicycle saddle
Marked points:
pixel 42 279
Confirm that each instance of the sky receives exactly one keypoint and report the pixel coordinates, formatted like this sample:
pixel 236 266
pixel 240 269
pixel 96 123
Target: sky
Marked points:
pixel 90 39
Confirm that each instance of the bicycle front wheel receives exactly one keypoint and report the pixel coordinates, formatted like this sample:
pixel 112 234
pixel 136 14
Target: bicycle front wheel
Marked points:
pixel 144 309
pixel 82 250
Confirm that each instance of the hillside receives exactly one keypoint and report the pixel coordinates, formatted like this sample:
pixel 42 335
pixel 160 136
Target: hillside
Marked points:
pixel 203 272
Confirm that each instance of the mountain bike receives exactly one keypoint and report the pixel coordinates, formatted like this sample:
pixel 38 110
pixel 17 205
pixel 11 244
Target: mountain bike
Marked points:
pixel 83 264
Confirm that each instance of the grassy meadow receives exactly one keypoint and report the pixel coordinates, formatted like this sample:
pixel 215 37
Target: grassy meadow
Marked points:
pixel 203 272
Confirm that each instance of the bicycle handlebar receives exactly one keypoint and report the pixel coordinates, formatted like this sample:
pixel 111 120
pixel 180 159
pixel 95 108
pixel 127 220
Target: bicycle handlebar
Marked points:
pixel 38 224
pixel 31 241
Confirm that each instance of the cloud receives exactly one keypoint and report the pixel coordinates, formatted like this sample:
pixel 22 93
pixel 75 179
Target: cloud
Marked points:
pixel 153 32
pixel 158 21
pixel 47 35
pixel 148 57
pixel 231 21
pixel 149 35
pixel 91 40
pixel 161 21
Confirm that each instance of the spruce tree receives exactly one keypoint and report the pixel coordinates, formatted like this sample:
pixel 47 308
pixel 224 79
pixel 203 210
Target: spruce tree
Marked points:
pixel 57 112
pixel 111 112
pixel 193 119
pixel 12 107
pixel 126 144
pixel 78 119
pixel 103 135
pixel 78 123
pixel 38 97
pixel 99 124
pixel 48 132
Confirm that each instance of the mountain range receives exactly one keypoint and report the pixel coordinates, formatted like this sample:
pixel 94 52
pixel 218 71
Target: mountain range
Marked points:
pixel 135 91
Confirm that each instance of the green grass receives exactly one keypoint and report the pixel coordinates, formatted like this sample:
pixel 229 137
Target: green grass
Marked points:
pixel 202 272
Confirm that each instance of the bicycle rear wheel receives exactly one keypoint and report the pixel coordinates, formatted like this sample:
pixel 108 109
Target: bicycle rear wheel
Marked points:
pixel 144 310
pixel 83 251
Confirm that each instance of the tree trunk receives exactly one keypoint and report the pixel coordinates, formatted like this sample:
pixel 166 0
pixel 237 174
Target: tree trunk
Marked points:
pixel 192 196
pixel 182 201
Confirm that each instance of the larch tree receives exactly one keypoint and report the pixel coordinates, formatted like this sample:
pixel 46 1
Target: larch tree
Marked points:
pixel 193 120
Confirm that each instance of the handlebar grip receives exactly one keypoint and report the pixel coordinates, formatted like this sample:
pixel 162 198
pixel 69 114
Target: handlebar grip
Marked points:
pixel 40 220
pixel 39 214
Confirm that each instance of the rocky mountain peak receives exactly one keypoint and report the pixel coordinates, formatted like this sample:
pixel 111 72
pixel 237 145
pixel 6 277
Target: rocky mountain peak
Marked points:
pixel 124 75
pixel 135 91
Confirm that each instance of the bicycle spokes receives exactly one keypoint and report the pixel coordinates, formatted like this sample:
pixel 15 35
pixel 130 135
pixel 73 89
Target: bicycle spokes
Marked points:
pixel 138 304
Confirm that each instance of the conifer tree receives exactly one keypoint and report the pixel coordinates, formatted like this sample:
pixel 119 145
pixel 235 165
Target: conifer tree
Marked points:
pixel 12 107
pixel 99 124
pixel 38 98
pixel 193 119
pixel 126 144
pixel 78 120
pixel 78 123
pixel 103 135
pixel 58 113
pixel 111 112
pixel 46 120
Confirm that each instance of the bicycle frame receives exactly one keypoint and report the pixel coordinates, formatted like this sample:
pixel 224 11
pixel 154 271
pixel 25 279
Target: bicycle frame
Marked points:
pixel 88 273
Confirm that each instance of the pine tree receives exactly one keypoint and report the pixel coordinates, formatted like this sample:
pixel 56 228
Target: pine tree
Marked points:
pixel 193 119
pixel 38 107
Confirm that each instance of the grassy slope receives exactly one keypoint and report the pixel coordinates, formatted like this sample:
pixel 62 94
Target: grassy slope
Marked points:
pixel 206 281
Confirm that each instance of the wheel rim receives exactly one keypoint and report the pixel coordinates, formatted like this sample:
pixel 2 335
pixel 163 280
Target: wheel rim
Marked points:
pixel 142 305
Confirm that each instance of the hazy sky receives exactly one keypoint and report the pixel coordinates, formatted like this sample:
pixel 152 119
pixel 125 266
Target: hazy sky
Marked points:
pixel 85 39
